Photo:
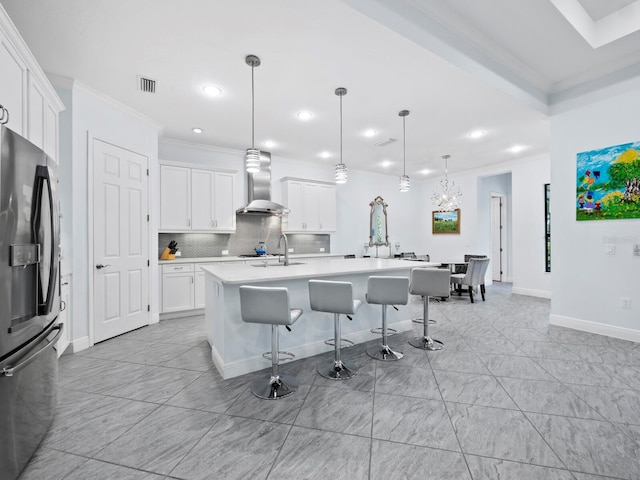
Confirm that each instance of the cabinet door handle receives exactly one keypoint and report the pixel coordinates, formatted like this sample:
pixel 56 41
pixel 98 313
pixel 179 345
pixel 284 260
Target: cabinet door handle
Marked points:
pixel 320 226
pixel 188 222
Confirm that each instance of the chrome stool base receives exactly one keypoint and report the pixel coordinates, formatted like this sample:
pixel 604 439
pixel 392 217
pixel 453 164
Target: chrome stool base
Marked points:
pixel 275 387
pixel 426 343
pixel 384 353
pixel 338 371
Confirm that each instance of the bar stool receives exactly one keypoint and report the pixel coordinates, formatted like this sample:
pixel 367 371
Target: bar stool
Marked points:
pixel 270 305
pixel 337 298
pixel 428 282
pixel 386 291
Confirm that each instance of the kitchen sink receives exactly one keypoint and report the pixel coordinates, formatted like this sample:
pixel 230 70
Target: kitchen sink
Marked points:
pixel 262 265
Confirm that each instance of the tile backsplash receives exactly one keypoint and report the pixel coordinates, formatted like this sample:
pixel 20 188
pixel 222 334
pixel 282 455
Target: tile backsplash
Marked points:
pixel 250 230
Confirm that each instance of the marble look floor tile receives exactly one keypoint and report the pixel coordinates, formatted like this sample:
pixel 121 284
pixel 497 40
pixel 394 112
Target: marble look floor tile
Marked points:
pixel 413 420
pixel 515 367
pixel 409 381
pixel 158 385
pixel 629 374
pixel 498 433
pixel 404 462
pixel 548 350
pixel 212 394
pixel 105 377
pixel 496 345
pixel 305 370
pixel 530 334
pixel 97 470
pixel 75 370
pixel 590 446
pixel 615 404
pixel 337 410
pixel 605 354
pixel 465 362
pixel 86 423
pixel 234 449
pixel 579 373
pixel 156 354
pixel 160 441
pixel 483 468
pixel 47 464
pixel 196 358
pixel 311 454
pixel 282 410
pixel 588 476
pixel 473 389
pixel 547 397
pixel 113 349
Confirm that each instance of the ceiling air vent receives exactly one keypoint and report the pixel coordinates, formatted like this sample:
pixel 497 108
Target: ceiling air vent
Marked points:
pixel 146 85
pixel 385 142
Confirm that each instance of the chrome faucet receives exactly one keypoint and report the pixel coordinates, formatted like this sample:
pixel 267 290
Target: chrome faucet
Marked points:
pixel 286 248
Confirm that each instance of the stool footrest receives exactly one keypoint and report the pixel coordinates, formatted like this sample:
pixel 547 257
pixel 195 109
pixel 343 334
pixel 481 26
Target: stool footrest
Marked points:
pixel 332 342
pixel 378 331
pixel 421 321
pixel 282 356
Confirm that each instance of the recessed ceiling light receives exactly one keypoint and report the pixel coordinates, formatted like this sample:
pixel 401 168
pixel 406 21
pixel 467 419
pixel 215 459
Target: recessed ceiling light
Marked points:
pixel 269 144
pixel 304 115
pixel 370 133
pixel 516 148
pixel 325 155
pixel 212 90
pixel 477 134
pixel 386 163
pixel 196 130
pixel 425 171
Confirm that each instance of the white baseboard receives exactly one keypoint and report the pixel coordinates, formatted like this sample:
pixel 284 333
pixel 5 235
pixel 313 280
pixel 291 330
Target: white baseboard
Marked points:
pixel 235 369
pixel 155 318
pixel 598 328
pixel 78 345
pixel 531 292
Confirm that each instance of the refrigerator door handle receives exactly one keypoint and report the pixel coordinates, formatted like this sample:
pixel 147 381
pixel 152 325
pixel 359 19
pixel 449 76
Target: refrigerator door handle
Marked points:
pixel 44 177
pixel 10 370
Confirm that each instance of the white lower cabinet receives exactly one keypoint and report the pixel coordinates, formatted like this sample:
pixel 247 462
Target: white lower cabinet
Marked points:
pixel 199 279
pixel 178 288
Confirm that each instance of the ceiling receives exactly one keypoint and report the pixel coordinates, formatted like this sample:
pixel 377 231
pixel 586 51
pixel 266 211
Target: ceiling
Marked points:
pixel 457 66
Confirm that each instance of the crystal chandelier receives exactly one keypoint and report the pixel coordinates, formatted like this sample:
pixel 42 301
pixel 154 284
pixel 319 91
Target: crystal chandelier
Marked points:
pixel 448 197
pixel 404 178
pixel 341 168
pixel 252 158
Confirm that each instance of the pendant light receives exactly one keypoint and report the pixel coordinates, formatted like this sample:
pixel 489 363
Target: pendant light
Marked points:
pixel 252 158
pixel 341 168
pixel 448 197
pixel 404 178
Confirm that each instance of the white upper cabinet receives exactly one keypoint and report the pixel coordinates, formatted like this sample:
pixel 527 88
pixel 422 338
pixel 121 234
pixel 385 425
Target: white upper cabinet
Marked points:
pixel 196 199
pixel 312 206
pixel 26 93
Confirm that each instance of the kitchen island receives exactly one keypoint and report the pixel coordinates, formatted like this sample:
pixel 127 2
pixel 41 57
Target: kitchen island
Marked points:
pixel 237 347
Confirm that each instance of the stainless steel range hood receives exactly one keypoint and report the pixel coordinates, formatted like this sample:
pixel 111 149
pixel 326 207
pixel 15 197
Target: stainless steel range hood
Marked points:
pixel 259 191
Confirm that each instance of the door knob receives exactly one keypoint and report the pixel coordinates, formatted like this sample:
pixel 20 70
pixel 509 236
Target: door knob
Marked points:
pixel 99 266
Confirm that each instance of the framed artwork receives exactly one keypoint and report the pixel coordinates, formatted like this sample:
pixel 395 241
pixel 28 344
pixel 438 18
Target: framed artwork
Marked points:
pixel 608 183
pixel 445 222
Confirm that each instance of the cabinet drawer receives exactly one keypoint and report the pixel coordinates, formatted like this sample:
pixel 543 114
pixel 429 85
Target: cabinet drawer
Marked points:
pixel 181 268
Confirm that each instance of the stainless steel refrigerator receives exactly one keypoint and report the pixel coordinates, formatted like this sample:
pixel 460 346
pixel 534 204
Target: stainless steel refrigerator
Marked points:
pixel 29 299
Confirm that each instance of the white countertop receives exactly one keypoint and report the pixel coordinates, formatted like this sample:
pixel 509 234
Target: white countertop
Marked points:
pixel 228 258
pixel 243 273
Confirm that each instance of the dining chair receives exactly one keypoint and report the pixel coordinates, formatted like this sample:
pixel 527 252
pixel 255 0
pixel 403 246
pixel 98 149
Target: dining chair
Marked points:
pixel 476 270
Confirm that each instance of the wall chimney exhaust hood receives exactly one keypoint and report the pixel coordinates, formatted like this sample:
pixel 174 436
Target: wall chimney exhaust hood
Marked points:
pixel 259 191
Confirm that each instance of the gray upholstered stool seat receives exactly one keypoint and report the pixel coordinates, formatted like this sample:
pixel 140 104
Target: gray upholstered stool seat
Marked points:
pixel 428 282
pixel 386 291
pixel 337 298
pixel 270 305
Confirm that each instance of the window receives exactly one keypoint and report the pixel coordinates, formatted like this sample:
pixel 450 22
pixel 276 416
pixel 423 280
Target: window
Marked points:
pixel 547 218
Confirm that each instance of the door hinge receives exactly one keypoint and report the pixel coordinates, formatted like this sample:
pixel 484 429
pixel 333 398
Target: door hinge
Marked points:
pixel 148 263
pixel 148 308
pixel 147 217
pixel 147 172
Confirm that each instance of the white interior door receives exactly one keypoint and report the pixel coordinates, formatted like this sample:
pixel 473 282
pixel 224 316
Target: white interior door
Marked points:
pixel 120 240
pixel 497 238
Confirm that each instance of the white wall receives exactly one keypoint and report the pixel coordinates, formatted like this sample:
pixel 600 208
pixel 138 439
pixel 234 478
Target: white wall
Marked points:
pixel 588 285
pixel 106 120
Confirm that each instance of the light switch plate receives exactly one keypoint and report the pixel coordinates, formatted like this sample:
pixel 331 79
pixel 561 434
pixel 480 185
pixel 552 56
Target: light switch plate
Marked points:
pixel 636 249
pixel 291 250
pixel 225 252
pixel 322 250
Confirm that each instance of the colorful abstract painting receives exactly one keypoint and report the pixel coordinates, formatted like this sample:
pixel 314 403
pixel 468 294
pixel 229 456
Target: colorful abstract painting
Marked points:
pixel 608 183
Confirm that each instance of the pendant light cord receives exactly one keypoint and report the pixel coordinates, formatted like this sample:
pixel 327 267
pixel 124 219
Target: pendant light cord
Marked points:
pixel 341 130
pixel 253 109
pixel 404 147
